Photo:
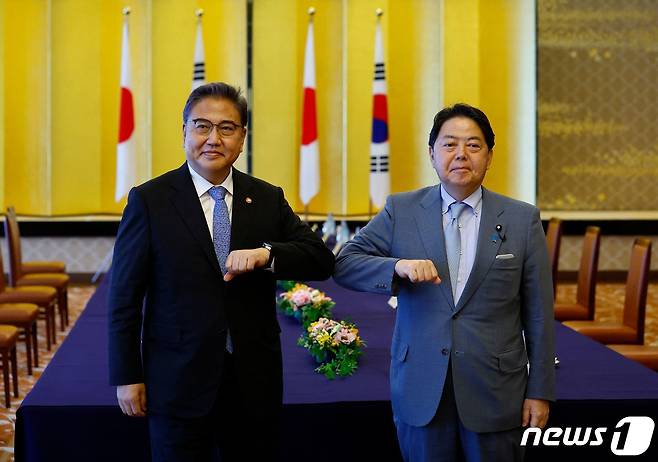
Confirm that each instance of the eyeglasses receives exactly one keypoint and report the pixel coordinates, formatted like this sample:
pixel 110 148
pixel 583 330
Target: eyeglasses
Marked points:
pixel 225 129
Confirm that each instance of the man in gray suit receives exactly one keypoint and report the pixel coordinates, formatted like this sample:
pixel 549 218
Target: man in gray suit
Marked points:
pixel 475 304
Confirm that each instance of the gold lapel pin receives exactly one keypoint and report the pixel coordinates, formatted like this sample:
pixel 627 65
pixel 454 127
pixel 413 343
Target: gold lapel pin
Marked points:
pixel 248 200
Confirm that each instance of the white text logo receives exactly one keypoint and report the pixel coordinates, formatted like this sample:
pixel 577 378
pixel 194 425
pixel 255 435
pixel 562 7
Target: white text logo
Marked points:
pixel 631 436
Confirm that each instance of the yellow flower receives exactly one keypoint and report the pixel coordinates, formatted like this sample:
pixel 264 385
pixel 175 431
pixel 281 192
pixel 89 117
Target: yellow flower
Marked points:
pixel 323 338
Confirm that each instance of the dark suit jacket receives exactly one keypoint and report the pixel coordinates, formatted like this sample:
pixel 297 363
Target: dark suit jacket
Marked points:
pixel 502 321
pixel 167 289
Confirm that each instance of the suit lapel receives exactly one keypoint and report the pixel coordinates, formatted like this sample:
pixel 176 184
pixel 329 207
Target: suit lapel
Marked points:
pixel 488 244
pixel 429 221
pixel 241 216
pixel 186 202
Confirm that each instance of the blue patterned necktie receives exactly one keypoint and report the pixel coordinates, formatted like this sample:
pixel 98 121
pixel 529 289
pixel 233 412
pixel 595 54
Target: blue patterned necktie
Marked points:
pixel 221 226
pixel 221 237
pixel 453 244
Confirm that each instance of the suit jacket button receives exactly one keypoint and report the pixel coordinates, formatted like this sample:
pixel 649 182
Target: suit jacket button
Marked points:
pixel 455 316
pixel 445 352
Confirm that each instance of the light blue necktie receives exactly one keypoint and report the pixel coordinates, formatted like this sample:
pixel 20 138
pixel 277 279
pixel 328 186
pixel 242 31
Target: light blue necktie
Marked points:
pixel 453 243
pixel 221 226
pixel 221 237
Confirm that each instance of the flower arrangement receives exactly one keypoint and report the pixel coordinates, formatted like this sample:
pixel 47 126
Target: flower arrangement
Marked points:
pixel 335 345
pixel 305 304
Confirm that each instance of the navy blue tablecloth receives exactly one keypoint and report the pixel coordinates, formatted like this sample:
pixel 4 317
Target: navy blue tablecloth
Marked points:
pixel 72 410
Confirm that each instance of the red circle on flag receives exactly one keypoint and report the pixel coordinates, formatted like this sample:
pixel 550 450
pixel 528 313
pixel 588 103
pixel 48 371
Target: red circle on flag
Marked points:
pixel 126 116
pixel 309 122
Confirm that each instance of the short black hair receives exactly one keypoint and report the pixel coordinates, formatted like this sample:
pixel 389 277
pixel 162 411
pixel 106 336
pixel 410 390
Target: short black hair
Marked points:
pixel 463 110
pixel 219 90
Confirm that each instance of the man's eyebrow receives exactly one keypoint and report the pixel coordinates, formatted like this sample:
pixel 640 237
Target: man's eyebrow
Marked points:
pixel 458 138
pixel 218 123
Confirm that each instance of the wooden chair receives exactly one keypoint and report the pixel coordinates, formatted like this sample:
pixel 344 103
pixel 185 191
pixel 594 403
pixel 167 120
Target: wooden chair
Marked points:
pixel 13 232
pixel 586 293
pixel 643 354
pixel 42 296
pixel 8 338
pixel 631 329
pixel 553 241
pixel 18 278
pixel 23 316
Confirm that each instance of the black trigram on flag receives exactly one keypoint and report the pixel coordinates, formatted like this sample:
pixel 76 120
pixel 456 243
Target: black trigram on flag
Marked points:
pixel 379 164
pixel 380 73
pixel 199 72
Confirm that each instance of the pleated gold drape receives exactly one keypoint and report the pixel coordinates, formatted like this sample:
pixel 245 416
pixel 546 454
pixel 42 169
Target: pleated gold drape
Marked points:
pixel 59 75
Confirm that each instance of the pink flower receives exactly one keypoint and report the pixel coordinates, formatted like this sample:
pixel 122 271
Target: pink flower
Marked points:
pixel 344 336
pixel 301 297
pixel 322 324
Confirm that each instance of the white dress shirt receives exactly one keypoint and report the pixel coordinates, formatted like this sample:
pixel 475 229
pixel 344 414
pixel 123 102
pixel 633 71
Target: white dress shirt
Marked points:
pixel 469 227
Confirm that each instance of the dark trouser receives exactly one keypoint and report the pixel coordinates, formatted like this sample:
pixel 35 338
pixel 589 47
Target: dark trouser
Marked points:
pixel 445 439
pixel 226 434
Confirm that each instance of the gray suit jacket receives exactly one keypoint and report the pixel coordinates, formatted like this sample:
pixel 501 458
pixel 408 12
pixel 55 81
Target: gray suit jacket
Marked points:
pixel 483 336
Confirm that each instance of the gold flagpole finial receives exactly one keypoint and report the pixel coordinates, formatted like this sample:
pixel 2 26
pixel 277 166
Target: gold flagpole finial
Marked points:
pixel 311 11
pixel 199 13
pixel 379 12
pixel 126 11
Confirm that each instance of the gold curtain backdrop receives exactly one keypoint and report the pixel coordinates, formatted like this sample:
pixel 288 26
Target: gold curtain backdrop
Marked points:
pixel 598 87
pixel 60 65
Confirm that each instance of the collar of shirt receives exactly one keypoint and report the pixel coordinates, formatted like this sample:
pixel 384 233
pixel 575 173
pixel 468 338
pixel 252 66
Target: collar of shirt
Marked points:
pixel 202 185
pixel 474 200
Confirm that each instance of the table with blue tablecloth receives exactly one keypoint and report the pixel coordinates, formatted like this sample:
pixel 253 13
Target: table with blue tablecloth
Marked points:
pixel 72 414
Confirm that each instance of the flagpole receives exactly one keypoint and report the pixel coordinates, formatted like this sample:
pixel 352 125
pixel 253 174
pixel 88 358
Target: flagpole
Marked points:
pixel 199 62
pixel 311 13
pixel 378 12
pixel 379 178
pixel 126 166
pixel 122 162
pixel 309 156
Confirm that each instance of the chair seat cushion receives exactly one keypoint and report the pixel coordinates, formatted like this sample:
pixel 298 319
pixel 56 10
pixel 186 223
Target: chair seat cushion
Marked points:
pixel 44 279
pixel 18 312
pixel 39 295
pixel 570 311
pixel 644 354
pixel 43 267
pixel 605 332
pixel 8 335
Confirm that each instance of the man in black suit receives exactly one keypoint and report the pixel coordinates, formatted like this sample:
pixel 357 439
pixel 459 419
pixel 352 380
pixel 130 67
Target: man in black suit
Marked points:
pixel 193 335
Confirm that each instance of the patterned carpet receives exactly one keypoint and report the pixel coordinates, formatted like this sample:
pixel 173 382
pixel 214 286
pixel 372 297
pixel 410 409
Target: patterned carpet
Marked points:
pixel 609 299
